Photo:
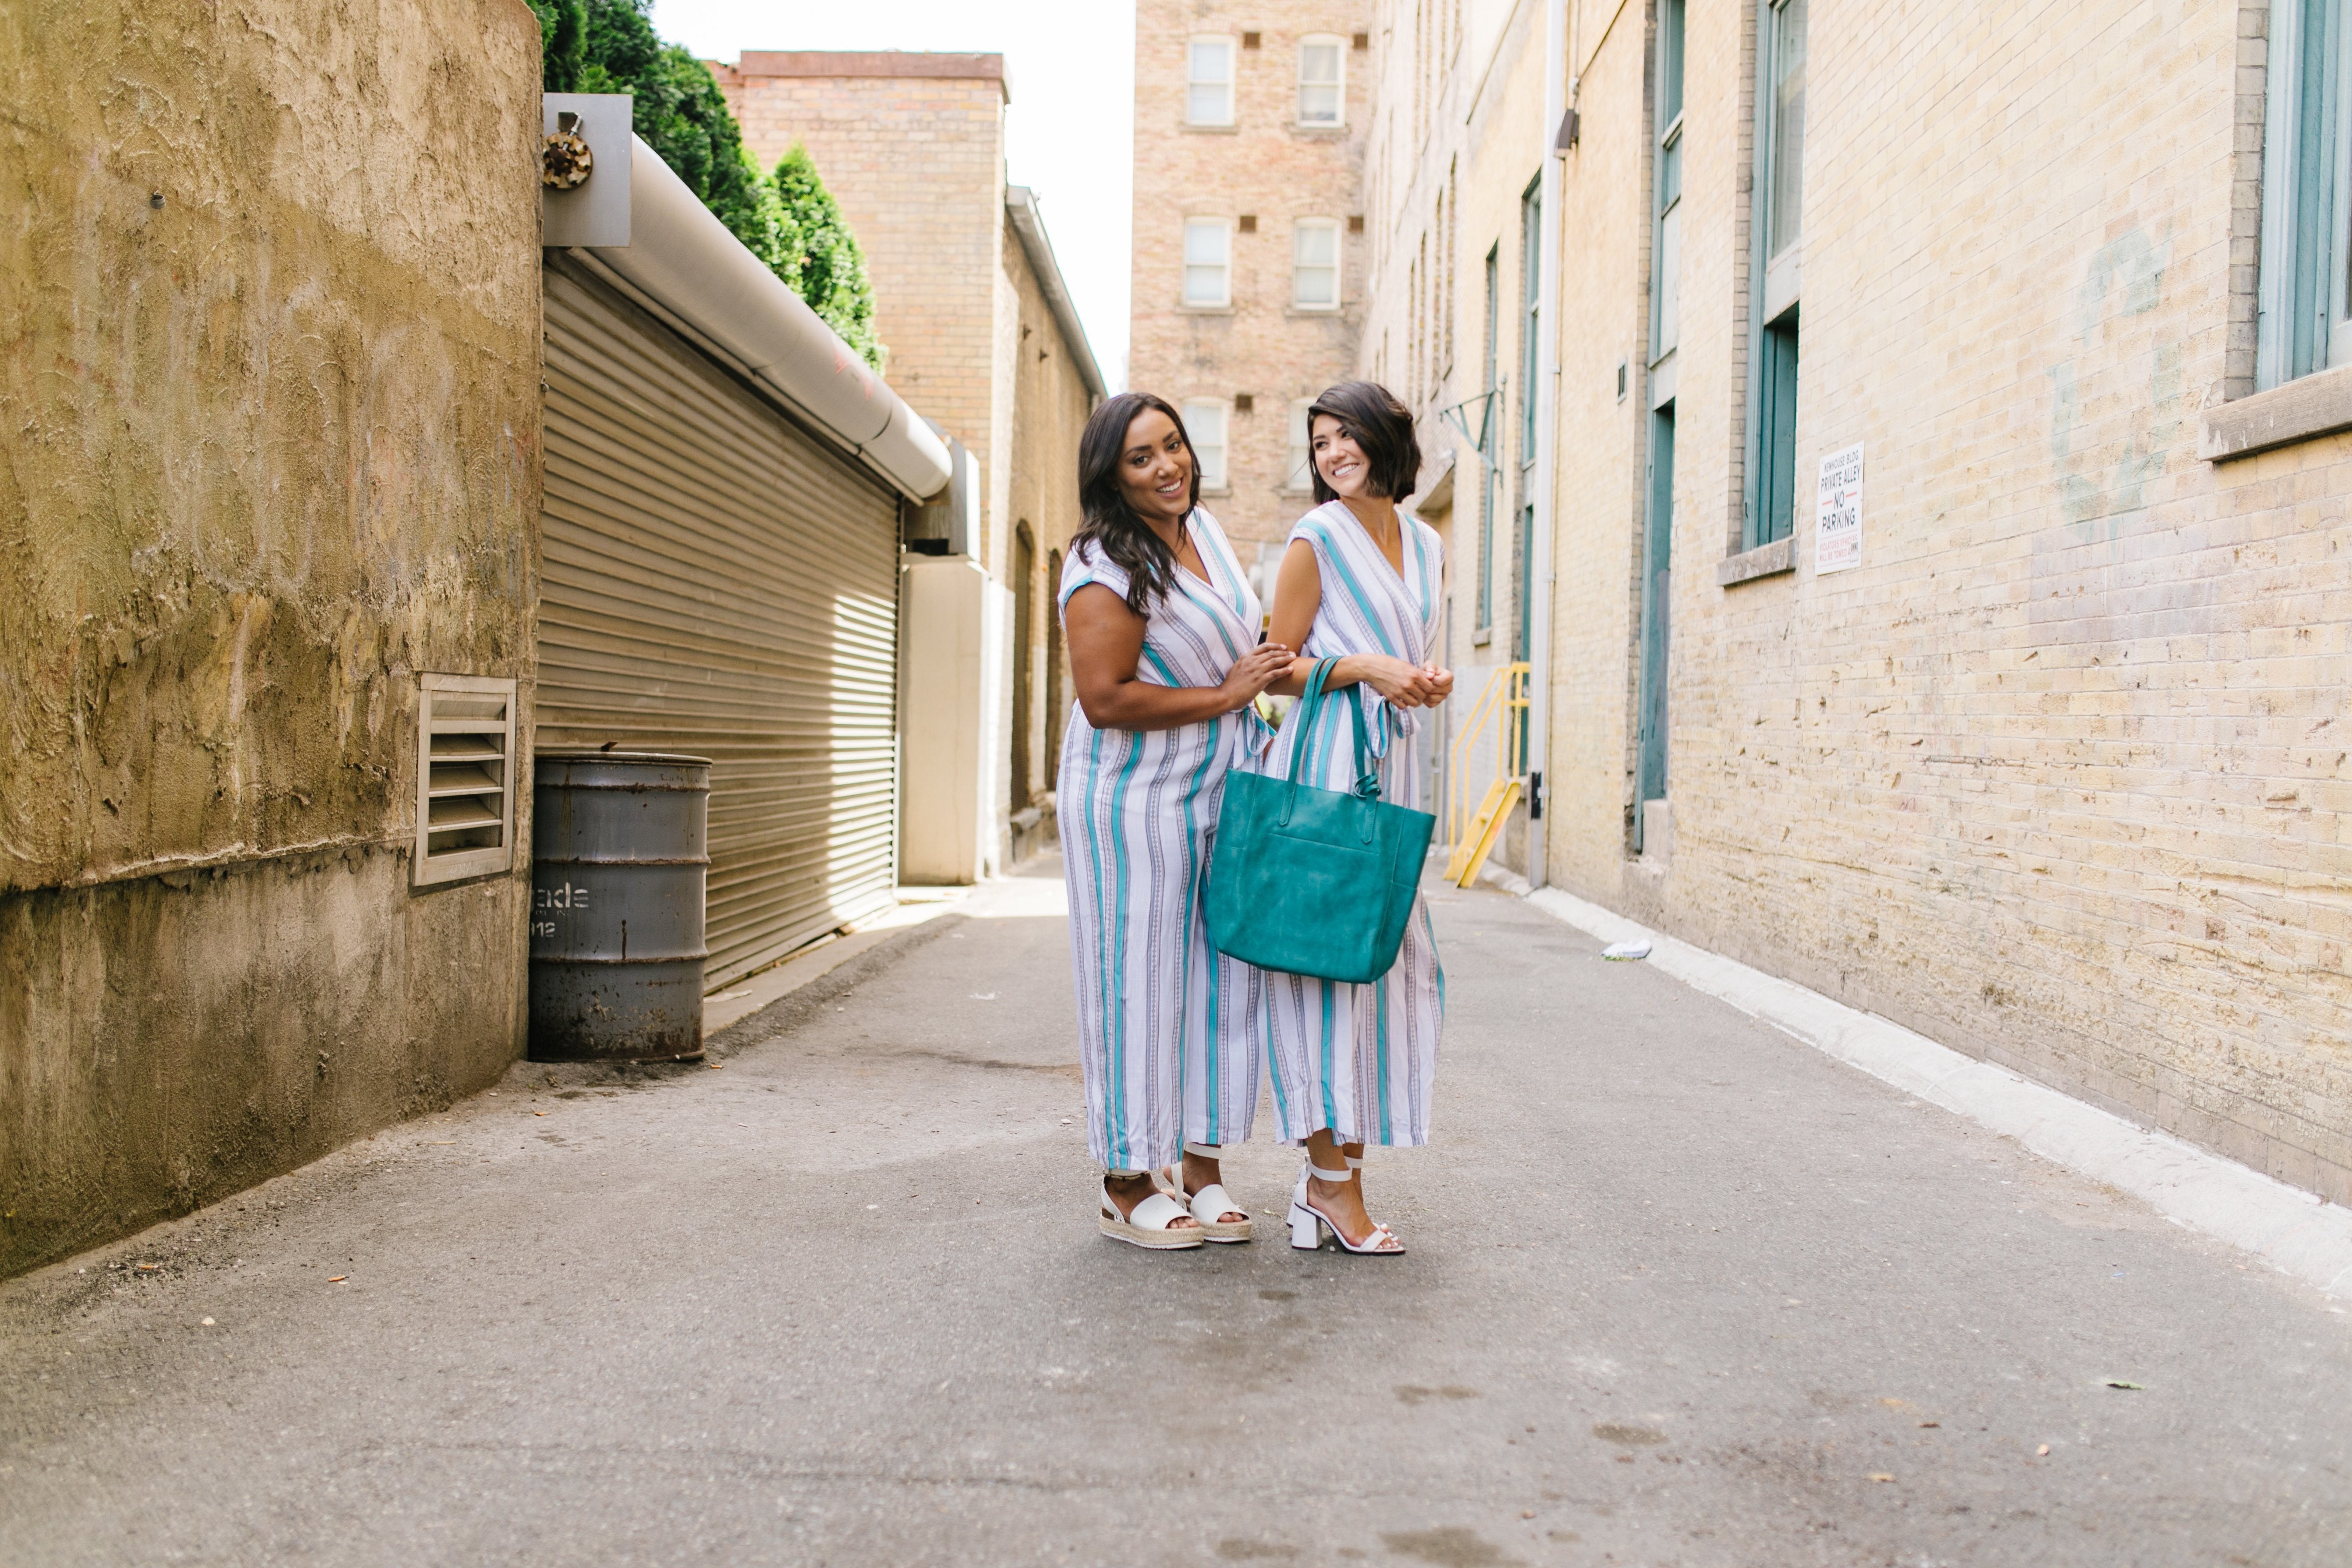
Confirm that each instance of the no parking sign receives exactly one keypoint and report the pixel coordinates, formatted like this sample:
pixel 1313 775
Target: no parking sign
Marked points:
pixel 1837 532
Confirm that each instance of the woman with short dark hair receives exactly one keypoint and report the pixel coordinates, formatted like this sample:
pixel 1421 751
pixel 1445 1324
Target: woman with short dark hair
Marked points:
pixel 1163 628
pixel 1362 583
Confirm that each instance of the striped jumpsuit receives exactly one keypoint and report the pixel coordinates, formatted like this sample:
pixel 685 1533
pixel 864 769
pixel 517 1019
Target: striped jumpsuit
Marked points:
pixel 1360 1060
pixel 1165 1028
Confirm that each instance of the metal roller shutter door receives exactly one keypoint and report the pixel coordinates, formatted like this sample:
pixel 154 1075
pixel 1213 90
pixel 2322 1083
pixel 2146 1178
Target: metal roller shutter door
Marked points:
pixel 715 580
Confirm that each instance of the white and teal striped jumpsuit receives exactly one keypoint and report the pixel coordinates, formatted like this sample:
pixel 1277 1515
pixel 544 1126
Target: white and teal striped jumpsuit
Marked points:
pixel 1360 1060
pixel 1165 1028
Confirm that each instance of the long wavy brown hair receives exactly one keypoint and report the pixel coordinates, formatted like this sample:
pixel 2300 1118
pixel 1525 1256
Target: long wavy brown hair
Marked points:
pixel 1110 523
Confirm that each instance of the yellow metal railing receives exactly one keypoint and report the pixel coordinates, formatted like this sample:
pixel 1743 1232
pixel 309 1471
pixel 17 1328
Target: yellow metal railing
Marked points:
pixel 1497 718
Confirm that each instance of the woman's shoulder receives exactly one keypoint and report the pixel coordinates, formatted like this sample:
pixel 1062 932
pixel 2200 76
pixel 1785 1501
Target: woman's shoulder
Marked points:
pixel 1315 527
pixel 1089 561
pixel 1431 540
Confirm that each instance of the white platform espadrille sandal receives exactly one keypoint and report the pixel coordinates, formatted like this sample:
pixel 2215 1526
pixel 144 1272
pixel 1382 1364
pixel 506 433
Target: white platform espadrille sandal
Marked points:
pixel 1210 1203
pixel 1146 1224
pixel 1309 1222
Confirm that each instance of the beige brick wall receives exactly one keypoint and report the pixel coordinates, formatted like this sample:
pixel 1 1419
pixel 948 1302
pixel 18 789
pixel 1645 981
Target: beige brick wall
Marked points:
pixel 1050 404
pixel 1455 138
pixel 1602 450
pixel 1268 168
pixel 2055 777
pixel 916 162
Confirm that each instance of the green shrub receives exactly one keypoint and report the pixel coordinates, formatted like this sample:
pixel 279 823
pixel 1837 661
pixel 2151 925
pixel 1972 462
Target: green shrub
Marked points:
pixel 831 266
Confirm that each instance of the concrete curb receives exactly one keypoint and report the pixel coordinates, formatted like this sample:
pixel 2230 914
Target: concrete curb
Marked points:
pixel 797 1005
pixel 2288 1227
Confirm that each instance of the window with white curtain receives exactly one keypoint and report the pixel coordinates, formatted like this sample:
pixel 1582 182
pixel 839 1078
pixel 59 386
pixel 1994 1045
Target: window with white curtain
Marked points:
pixel 1205 421
pixel 1208 261
pixel 1300 474
pixel 1322 81
pixel 1315 263
pixel 1209 81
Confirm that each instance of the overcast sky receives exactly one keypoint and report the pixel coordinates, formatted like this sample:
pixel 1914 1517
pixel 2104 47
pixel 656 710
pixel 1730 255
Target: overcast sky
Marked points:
pixel 1070 132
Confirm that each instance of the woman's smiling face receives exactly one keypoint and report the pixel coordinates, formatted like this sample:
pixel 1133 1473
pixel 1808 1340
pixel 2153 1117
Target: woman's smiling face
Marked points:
pixel 1155 469
pixel 1340 460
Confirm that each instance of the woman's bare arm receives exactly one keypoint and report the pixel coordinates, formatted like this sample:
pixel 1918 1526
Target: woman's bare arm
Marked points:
pixel 1105 640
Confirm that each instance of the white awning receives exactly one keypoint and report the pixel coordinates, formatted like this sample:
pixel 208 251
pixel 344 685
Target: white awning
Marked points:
pixel 691 263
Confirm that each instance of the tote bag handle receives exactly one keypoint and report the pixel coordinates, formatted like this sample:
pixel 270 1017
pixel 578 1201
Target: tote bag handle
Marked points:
pixel 1368 773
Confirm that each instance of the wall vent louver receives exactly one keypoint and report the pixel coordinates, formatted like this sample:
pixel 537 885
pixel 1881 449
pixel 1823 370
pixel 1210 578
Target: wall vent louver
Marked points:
pixel 464 778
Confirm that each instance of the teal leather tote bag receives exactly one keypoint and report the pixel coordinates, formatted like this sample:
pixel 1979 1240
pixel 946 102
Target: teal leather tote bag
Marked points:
pixel 1315 881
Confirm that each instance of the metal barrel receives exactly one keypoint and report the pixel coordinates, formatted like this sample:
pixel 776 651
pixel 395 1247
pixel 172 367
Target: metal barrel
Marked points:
pixel 619 858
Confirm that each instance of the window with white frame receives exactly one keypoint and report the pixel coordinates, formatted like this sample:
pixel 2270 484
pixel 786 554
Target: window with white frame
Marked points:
pixel 1209 81
pixel 1208 261
pixel 1204 422
pixel 1300 474
pixel 2304 320
pixel 1315 263
pixel 1322 81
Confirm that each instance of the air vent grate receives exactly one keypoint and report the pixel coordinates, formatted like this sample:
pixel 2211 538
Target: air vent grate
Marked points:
pixel 465 777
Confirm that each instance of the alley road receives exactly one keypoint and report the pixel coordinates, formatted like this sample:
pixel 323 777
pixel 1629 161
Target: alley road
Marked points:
pixel 1680 1291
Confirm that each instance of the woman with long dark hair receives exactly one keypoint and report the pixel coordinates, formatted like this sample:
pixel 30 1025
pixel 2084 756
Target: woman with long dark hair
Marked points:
pixel 1362 583
pixel 1163 628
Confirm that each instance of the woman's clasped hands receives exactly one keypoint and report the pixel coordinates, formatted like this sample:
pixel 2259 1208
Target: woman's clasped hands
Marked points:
pixel 1402 683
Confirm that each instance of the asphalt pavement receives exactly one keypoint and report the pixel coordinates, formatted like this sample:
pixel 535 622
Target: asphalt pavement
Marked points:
pixel 1679 1291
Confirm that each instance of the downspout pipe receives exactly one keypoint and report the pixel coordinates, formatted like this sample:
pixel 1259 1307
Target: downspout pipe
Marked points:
pixel 1556 50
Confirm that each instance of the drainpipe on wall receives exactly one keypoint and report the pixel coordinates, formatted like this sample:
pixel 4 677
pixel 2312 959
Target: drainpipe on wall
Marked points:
pixel 1556 47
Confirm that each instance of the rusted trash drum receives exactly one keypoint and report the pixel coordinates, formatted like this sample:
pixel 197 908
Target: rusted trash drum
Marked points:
pixel 619 858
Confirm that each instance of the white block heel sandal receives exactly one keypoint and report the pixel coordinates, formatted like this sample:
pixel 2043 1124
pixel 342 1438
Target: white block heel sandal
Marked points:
pixel 1309 1222
pixel 1210 1203
pixel 1146 1224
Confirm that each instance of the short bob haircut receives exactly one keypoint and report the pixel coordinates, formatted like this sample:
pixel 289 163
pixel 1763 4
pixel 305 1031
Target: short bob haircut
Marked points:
pixel 1382 426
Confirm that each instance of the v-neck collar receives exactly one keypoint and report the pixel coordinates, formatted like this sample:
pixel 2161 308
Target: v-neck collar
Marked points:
pixel 1404 541
pixel 1215 594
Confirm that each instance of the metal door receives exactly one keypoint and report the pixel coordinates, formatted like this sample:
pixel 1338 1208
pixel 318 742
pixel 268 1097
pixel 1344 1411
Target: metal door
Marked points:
pixel 718 580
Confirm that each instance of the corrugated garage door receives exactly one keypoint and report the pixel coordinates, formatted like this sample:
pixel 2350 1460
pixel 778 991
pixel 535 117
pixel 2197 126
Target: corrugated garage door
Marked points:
pixel 715 580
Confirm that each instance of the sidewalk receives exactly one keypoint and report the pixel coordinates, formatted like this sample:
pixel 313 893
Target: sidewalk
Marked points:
pixel 1681 1290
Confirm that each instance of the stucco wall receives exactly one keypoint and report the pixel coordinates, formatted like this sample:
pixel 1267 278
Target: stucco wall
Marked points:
pixel 269 277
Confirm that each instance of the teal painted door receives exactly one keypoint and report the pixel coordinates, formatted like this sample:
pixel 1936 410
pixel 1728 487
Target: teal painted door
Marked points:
pixel 1657 564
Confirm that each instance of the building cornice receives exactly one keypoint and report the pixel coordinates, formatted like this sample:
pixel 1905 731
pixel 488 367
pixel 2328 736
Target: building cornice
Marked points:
pixel 1021 208
pixel 873 63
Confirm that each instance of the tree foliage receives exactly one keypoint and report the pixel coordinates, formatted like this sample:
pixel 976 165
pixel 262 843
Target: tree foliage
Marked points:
pixel 610 45
pixel 831 266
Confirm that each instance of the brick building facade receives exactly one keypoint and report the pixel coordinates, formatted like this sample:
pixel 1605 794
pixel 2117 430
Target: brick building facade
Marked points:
pixel 2048 771
pixel 980 333
pixel 1249 253
pixel 2049 767
pixel 1451 269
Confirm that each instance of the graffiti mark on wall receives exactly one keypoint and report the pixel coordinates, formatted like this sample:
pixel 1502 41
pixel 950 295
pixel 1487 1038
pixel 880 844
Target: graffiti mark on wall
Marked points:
pixel 2115 415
